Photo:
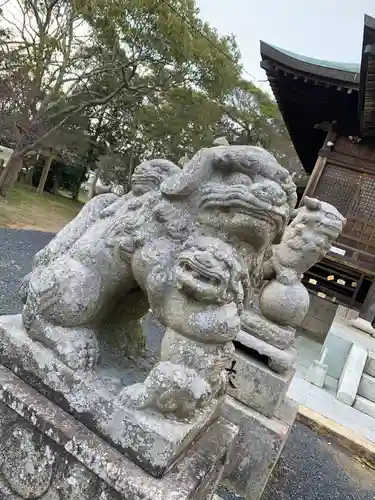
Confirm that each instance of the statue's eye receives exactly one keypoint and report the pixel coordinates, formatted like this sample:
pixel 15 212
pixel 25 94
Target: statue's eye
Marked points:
pixel 331 216
pixel 238 178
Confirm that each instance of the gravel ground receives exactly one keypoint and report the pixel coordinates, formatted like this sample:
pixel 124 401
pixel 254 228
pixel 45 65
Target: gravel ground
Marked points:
pixel 310 467
pixel 17 248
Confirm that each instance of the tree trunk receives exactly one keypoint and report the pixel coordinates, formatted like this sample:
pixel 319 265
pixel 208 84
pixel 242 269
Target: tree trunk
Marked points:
pixel 92 186
pixel 29 176
pixel 55 183
pixel 9 174
pixel 75 192
pixel 43 177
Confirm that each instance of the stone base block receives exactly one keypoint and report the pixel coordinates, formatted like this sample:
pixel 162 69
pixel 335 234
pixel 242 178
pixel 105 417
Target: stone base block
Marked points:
pixel 148 439
pixel 46 453
pixel 352 374
pixel 152 441
pixel 366 387
pixel 370 364
pixel 278 360
pixel 365 406
pixel 258 446
pixel 316 374
pixel 257 386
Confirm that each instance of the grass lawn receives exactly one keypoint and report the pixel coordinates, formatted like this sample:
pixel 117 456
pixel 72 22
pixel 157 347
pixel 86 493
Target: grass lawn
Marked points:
pixel 24 209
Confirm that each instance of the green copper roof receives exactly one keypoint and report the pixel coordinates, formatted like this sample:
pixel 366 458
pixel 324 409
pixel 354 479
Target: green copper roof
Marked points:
pixel 350 67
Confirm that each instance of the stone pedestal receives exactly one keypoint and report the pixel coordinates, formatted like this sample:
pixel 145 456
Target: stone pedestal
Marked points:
pixel 257 386
pixel 146 438
pixel 45 453
pixel 256 403
pixel 257 447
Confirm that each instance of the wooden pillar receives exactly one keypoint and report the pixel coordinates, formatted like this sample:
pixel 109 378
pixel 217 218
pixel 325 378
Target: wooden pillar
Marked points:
pixel 314 177
pixel 319 167
pixel 367 311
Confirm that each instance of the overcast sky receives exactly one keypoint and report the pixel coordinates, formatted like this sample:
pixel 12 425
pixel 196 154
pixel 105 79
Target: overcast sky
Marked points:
pixel 325 29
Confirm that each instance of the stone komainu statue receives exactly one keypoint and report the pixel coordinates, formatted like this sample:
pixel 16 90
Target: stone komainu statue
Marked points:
pixel 194 241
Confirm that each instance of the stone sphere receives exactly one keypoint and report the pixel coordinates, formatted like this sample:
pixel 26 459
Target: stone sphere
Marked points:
pixel 286 305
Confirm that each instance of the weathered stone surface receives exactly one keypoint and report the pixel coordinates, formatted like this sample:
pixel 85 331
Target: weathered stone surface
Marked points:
pixel 189 246
pixel 351 375
pixel 370 364
pixel 267 331
pixel 365 406
pixel 93 398
pixel 317 372
pixel 278 360
pixel 78 287
pixel 363 325
pixel 286 305
pixel 257 448
pixel 47 454
pixel 257 386
pixel 305 241
pixel 78 392
pixel 151 440
pixel 191 243
pixel 146 177
pixel 287 411
pixel 366 387
pixel 284 300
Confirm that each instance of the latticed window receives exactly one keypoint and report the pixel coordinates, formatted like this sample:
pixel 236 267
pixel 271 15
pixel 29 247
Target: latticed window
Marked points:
pixel 337 186
pixel 353 194
pixel 363 205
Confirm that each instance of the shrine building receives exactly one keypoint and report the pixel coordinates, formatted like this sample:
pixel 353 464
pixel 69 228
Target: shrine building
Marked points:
pixel 329 110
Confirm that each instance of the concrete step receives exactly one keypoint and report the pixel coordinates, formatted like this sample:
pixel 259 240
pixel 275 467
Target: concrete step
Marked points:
pixel 366 387
pixel 365 406
pixel 351 375
pixel 370 364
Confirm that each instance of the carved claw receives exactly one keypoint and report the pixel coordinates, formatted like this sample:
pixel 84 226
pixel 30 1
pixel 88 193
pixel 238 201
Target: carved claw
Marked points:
pixel 77 347
pixel 80 352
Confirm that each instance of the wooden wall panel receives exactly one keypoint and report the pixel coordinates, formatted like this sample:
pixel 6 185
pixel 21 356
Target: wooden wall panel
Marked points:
pixel 353 194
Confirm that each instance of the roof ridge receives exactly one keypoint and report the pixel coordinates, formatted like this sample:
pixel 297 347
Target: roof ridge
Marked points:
pixel 337 65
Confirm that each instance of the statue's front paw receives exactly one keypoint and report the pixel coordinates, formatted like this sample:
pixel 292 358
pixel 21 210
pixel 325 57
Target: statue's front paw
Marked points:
pixel 79 350
pixel 171 389
pixel 178 401
pixel 215 324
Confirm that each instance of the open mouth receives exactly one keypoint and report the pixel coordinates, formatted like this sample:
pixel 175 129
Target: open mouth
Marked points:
pixel 196 279
pixel 145 179
pixel 190 266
